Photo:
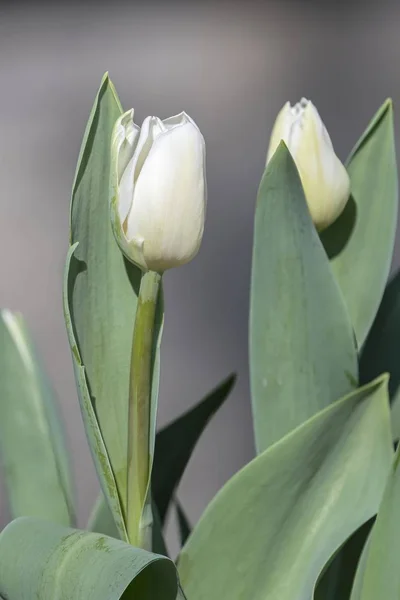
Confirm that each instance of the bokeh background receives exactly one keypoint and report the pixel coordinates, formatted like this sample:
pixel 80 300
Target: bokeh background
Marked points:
pixel 230 66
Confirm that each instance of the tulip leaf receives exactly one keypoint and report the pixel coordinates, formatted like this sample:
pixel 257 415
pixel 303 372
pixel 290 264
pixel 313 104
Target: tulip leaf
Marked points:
pixel 302 351
pixel 382 347
pixel 360 243
pixel 176 441
pixel 100 302
pixel 378 575
pixel 41 560
pixel 379 354
pixel 338 578
pixel 33 452
pixel 278 521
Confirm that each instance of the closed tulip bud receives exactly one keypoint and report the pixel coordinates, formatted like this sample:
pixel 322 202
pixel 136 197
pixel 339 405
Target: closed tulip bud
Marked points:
pixel 325 180
pixel 158 190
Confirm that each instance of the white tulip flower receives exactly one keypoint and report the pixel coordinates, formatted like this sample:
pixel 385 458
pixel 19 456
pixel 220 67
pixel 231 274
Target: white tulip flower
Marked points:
pixel 325 180
pixel 158 190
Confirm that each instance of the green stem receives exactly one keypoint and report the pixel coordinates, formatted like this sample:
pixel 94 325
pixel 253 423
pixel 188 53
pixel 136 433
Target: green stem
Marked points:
pixel 138 501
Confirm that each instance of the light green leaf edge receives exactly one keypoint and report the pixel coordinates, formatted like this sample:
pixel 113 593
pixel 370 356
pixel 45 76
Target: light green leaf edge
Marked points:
pixel 33 451
pixel 271 529
pixel 42 560
pixel 96 443
pixel 361 241
pixel 302 349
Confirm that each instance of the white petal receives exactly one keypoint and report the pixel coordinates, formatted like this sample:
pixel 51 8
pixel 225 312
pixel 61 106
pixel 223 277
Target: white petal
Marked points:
pixel 176 120
pixel 126 134
pixel 124 139
pixel 169 198
pixel 281 129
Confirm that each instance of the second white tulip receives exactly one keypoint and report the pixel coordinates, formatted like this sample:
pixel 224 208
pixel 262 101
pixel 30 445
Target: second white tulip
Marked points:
pixel 324 178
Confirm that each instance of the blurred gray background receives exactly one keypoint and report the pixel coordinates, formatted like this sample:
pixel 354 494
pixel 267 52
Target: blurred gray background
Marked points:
pixel 230 66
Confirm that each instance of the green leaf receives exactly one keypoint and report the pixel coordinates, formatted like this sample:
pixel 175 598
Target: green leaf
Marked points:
pixel 271 529
pixel 302 351
pixel 100 299
pixel 33 451
pixel 41 560
pixel 176 441
pixel 378 575
pixel 183 523
pixel 337 580
pixel 360 243
pixel 382 347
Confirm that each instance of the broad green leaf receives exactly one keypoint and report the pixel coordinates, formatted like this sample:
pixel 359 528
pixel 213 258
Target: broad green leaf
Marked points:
pixel 378 575
pixel 360 243
pixel 183 523
pixel 271 529
pixel 382 348
pixel 100 302
pixel 43 561
pixel 176 441
pixel 33 451
pixel 302 351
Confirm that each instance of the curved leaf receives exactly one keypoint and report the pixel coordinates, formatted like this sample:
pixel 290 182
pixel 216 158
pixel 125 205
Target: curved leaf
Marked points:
pixel 378 575
pixel 33 451
pixel 382 347
pixel 360 243
pixel 302 351
pixel 271 529
pixel 100 300
pixel 42 560
pixel 337 580
pixel 176 441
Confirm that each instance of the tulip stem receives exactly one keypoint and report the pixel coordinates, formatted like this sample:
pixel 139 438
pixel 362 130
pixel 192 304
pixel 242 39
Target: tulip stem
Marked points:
pixel 139 515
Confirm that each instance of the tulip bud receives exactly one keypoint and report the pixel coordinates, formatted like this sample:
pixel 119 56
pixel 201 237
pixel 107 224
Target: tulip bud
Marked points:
pixel 325 180
pixel 158 190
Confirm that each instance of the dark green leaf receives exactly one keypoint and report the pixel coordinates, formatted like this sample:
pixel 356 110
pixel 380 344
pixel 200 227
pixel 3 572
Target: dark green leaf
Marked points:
pixel 175 443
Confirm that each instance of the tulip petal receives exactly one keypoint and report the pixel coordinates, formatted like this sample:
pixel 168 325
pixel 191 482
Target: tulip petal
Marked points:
pixel 280 130
pixel 124 141
pixel 168 203
pixel 176 120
